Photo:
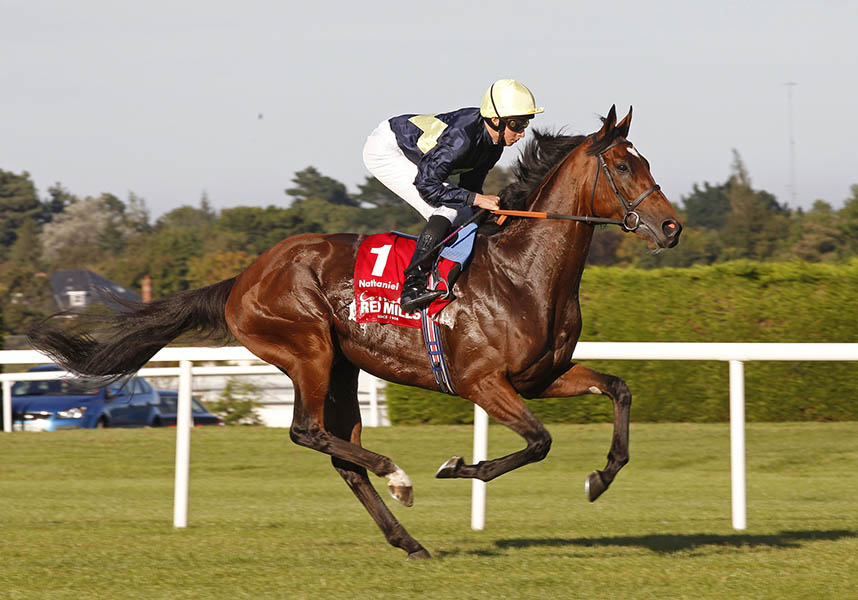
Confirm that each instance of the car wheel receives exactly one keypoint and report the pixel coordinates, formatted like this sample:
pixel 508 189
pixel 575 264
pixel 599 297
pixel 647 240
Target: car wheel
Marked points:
pixel 102 423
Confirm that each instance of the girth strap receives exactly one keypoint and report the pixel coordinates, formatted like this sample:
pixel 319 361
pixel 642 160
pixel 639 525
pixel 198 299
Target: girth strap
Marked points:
pixel 435 351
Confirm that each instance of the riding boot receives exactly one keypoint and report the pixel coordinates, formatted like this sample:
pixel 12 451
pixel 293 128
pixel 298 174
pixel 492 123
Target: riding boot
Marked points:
pixel 415 294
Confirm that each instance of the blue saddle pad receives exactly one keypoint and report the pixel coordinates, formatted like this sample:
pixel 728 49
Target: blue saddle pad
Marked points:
pixel 460 250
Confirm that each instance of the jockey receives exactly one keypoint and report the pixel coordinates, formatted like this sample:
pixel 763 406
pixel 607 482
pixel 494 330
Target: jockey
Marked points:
pixel 414 155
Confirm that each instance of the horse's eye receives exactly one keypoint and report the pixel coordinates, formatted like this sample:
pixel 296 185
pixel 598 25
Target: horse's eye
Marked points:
pixel 623 167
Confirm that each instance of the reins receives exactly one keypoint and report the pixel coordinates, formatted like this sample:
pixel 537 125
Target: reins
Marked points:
pixel 544 215
pixel 630 221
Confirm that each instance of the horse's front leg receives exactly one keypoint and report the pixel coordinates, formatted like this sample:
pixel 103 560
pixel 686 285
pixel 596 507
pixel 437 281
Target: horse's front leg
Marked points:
pixel 581 380
pixel 498 398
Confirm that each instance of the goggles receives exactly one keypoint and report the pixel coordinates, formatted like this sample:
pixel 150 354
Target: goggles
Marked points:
pixel 518 124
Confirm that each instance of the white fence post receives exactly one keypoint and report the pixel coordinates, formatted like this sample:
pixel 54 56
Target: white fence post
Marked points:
pixel 183 445
pixel 737 442
pixel 481 452
pixel 373 402
pixel 7 405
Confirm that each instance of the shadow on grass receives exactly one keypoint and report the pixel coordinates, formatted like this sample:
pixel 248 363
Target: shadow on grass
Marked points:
pixel 668 543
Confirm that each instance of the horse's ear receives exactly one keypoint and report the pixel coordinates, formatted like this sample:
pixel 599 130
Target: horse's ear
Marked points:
pixel 623 126
pixel 608 123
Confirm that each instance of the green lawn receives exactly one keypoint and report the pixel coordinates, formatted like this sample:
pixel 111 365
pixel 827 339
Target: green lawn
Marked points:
pixel 88 514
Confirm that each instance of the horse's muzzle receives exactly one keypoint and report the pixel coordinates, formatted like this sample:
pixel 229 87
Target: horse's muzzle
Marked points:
pixel 671 229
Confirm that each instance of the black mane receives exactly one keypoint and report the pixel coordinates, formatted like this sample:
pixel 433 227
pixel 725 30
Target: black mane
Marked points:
pixel 541 154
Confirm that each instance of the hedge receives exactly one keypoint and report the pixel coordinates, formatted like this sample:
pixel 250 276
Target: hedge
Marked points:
pixel 739 301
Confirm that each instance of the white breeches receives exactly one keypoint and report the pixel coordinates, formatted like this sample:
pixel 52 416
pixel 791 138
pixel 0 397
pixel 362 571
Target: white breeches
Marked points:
pixel 386 161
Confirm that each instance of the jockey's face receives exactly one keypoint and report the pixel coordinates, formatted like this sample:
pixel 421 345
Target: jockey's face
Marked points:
pixel 509 136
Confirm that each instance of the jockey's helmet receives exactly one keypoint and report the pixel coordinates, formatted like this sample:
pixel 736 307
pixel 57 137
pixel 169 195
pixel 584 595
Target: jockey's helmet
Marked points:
pixel 508 98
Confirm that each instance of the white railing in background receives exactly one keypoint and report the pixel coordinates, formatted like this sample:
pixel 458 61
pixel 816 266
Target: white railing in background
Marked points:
pixel 368 384
pixel 185 372
pixel 736 354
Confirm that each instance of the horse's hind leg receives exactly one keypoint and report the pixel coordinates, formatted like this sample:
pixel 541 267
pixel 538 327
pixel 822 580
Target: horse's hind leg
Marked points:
pixel 310 428
pixel 307 356
pixel 342 416
pixel 580 380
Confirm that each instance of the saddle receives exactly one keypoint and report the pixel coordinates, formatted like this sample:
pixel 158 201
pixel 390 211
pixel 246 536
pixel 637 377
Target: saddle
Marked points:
pixel 378 276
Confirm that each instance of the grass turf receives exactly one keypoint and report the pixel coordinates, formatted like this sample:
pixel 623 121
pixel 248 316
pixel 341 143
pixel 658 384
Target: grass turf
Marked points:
pixel 88 514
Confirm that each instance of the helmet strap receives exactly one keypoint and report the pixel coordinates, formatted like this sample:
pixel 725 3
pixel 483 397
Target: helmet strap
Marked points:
pixel 499 128
pixel 502 127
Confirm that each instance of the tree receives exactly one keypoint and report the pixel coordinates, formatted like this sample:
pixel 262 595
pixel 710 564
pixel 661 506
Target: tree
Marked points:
pixel 237 403
pixel 27 296
pixel 19 203
pixel 216 266
pixel 137 214
pixel 72 238
pixel 847 218
pixel 819 238
pixel 707 207
pixel 603 249
pixel 497 179
pixel 85 232
pixel 256 229
pixel 756 222
pixel 166 256
pixel 374 194
pixel 58 199
pixel 188 217
pixel 382 210
pixel 310 184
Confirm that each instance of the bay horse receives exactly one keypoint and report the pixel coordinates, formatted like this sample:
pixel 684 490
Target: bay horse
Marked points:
pixel 510 334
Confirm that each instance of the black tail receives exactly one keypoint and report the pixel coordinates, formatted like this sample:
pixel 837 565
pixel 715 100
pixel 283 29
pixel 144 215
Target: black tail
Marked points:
pixel 118 344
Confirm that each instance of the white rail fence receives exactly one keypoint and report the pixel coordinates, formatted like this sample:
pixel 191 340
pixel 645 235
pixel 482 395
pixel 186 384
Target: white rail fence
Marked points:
pixel 274 410
pixel 185 372
pixel 736 354
pixel 733 353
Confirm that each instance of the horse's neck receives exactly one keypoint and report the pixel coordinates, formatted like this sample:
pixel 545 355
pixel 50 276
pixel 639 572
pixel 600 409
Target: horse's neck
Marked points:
pixel 544 252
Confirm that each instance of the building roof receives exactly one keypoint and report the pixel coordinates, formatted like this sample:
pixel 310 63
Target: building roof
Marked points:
pixel 87 288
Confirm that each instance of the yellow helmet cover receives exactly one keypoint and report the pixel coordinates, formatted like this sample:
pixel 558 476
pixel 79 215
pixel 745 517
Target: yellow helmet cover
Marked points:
pixel 508 98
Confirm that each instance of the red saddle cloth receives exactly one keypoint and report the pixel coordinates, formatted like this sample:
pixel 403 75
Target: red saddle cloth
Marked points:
pixel 381 260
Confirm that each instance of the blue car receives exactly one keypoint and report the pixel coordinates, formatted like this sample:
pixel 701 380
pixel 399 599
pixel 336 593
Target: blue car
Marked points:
pixel 62 404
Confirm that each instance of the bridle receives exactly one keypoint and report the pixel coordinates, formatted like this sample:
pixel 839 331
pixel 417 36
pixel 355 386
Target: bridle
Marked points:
pixel 631 220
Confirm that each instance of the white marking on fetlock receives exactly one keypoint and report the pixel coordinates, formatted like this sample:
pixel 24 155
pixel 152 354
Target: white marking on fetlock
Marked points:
pixel 398 478
pixel 595 390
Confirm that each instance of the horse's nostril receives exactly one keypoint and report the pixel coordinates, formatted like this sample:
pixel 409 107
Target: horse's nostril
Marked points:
pixel 671 228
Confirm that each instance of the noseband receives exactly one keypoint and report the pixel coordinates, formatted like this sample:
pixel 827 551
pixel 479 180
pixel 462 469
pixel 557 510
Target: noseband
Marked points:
pixel 631 220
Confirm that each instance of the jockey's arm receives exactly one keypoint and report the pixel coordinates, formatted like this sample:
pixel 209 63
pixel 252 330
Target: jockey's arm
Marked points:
pixel 435 168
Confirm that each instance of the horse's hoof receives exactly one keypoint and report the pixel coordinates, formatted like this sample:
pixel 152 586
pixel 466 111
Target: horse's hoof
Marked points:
pixel 421 554
pixel 448 469
pixel 402 494
pixel 594 486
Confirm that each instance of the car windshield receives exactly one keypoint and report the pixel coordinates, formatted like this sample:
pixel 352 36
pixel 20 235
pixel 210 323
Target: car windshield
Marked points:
pixel 169 405
pixel 54 387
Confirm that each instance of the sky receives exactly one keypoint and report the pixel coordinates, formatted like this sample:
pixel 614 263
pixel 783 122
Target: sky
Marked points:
pixel 175 99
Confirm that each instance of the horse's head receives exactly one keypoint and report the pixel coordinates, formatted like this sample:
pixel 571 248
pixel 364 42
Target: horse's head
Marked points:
pixel 623 187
